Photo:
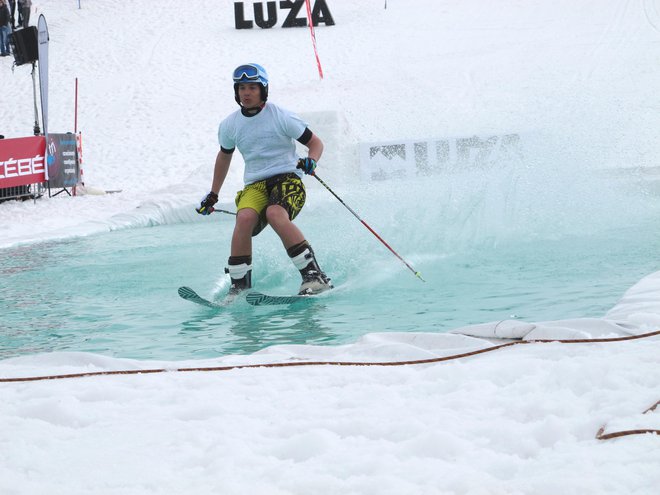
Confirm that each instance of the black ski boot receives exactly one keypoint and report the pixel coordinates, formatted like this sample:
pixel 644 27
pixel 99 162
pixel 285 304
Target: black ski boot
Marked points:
pixel 240 272
pixel 314 281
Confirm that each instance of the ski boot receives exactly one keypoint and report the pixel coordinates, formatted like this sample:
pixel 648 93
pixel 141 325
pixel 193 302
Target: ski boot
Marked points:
pixel 314 281
pixel 240 272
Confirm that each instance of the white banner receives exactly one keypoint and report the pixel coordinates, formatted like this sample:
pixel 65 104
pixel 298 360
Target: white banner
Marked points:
pixel 42 28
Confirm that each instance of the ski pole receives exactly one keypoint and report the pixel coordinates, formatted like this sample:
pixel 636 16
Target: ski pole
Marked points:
pixel 417 274
pixel 222 211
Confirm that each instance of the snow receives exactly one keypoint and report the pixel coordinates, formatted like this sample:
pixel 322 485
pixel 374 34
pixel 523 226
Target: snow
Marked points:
pixel 521 419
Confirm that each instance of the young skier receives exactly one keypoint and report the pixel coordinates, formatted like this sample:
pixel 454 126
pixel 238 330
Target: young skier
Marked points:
pixel 274 193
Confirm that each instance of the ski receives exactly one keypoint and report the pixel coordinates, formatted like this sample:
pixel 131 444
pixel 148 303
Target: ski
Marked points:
pixel 259 299
pixel 190 295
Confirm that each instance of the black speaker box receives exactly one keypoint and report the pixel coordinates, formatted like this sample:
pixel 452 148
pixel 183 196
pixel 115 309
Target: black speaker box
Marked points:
pixel 25 45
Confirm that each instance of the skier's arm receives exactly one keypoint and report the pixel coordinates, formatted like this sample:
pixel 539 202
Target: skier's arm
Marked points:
pixel 314 151
pixel 313 143
pixel 315 148
pixel 222 161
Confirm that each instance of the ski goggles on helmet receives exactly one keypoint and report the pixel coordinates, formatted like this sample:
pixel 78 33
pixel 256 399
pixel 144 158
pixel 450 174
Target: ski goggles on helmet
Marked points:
pixel 248 72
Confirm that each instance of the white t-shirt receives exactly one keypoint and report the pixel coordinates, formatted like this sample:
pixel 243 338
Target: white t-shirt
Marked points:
pixel 266 141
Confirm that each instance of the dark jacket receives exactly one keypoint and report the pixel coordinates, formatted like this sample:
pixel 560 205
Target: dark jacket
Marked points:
pixel 4 15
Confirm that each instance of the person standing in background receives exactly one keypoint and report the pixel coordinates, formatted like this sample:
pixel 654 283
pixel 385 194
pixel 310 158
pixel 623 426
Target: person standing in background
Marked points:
pixel 12 12
pixel 24 8
pixel 5 28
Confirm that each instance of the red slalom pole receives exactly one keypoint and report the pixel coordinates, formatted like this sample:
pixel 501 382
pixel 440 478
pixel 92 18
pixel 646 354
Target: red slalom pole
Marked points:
pixel 417 274
pixel 313 34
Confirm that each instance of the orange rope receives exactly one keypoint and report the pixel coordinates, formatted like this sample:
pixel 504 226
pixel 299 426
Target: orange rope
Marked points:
pixel 601 435
pixel 324 363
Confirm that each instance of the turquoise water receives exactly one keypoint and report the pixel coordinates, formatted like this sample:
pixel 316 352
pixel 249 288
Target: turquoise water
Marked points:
pixel 487 251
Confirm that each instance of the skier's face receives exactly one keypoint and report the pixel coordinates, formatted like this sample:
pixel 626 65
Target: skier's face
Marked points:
pixel 249 94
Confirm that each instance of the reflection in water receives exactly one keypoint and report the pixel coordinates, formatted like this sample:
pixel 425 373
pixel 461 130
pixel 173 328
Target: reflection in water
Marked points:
pixel 241 328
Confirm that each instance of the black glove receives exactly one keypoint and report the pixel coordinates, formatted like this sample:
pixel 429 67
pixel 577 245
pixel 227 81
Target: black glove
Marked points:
pixel 206 206
pixel 307 165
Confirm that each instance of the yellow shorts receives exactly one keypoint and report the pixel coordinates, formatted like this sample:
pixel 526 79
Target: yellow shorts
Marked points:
pixel 286 190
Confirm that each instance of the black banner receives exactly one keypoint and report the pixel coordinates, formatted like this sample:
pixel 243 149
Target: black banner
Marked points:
pixel 63 165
